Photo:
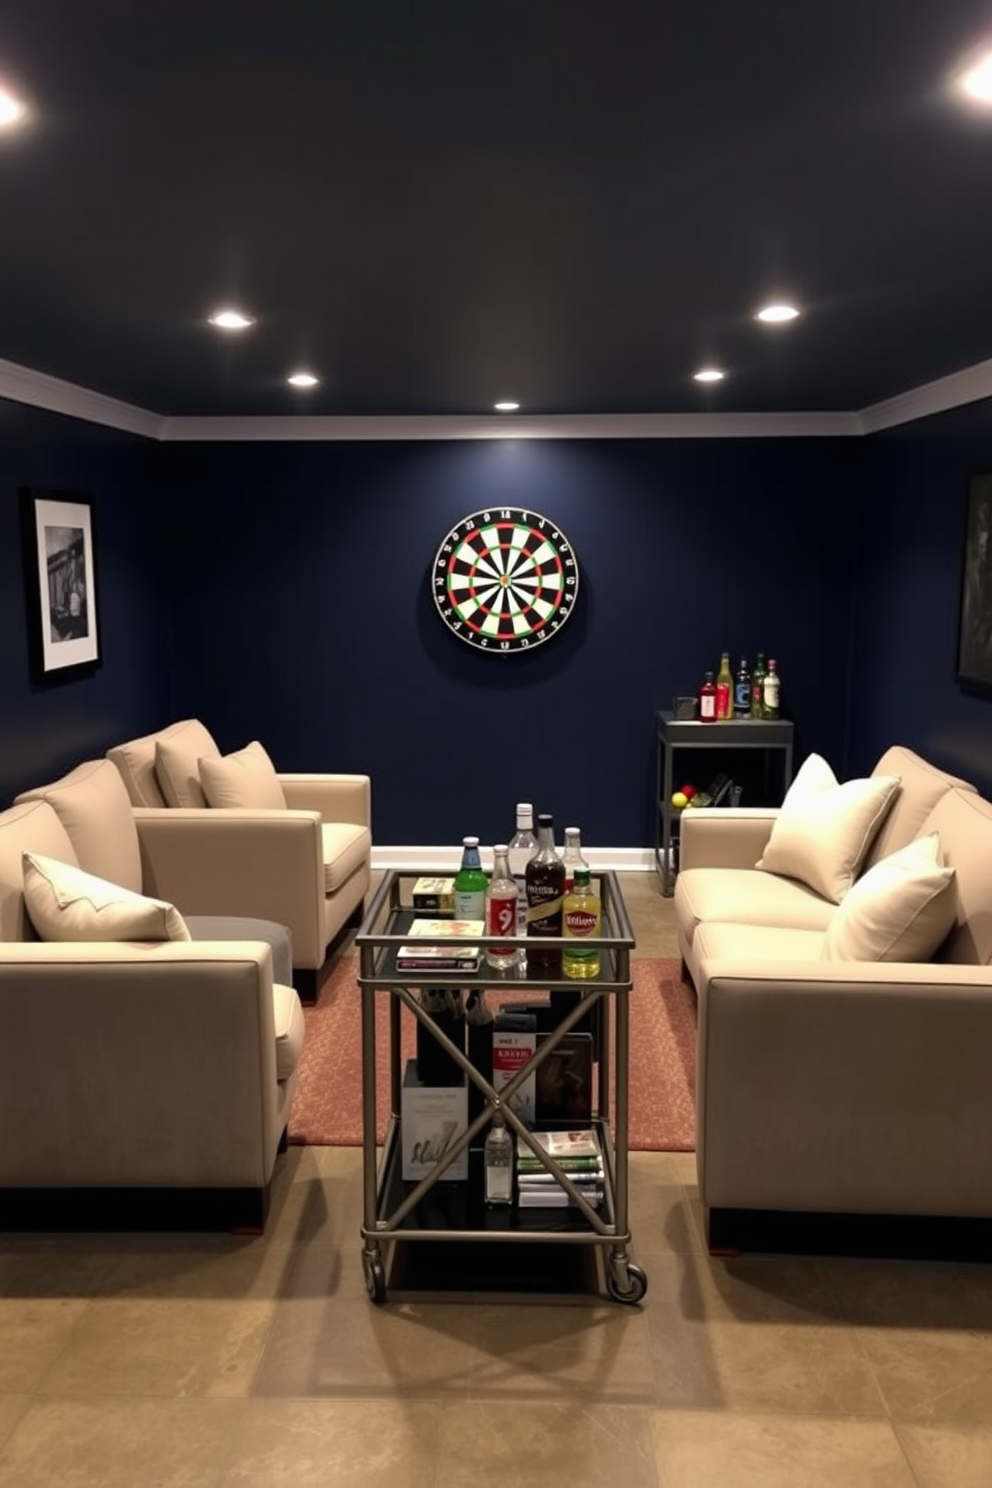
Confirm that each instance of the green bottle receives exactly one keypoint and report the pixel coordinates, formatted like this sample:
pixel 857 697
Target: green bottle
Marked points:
pixel 471 883
pixel 758 687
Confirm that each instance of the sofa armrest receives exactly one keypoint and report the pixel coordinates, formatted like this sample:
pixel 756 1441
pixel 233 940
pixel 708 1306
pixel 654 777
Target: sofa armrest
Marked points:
pixel 724 837
pixel 338 798
pixel 234 861
pixel 135 1064
pixel 845 1087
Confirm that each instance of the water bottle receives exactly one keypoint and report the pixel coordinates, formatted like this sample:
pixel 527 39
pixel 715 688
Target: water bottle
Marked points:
pixel 501 911
pixel 499 1164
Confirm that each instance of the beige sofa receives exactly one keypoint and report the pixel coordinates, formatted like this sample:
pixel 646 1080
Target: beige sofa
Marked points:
pixel 830 1088
pixel 143 1084
pixel 306 866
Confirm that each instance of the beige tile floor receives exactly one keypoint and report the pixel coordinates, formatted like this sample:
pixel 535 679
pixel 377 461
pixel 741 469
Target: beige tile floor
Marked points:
pixel 206 1361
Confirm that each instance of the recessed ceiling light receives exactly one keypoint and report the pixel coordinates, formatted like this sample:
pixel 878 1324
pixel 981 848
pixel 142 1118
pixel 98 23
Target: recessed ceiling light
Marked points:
pixel 709 374
pixel 302 380
pixel 12 110
pixel 976 82
pixel 506 406
pixel 232 320
pixel 777 314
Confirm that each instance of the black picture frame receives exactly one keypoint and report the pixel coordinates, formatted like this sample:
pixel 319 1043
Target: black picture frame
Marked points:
pixel 61 586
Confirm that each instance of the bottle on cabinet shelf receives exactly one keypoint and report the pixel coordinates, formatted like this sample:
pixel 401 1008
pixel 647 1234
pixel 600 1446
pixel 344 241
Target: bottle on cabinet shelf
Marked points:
pixel 772 692
pixel 742 690
pixel 707 700
pixel 724 689
pixel 758 687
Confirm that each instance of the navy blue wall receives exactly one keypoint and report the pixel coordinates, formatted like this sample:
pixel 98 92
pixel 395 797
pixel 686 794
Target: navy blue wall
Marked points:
pixel 305 615
pixel 909 539
pixel 47 727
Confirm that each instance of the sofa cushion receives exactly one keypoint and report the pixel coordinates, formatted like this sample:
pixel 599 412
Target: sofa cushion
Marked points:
pixel 290 1029
pixel 178 752
pixel 246 778
pixel 963 821
pixel 245 927
pixel 727 942
pixel 921 786
pixel 92 804
pixel 30 827
pixel 824 829
pixel 66 904
pixel 900 909
pixel 346 849
pixel 741 896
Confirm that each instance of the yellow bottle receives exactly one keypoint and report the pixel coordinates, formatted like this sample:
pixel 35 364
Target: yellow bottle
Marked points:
pixel 724 689
pixel 582 916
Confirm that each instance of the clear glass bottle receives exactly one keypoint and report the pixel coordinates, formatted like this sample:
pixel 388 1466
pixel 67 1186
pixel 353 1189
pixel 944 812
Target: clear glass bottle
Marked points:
pixel 471 883
pixel 499 1163
pixel 772 690
pixel 742 690
pixel 523 846
pixel 581 920
pixel 545 877
pixel 724 689
pixel 572 856
pixel 501 910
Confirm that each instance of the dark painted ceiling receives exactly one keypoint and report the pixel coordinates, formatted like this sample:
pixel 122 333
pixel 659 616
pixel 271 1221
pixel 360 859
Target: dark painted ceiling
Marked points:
pixel 434 205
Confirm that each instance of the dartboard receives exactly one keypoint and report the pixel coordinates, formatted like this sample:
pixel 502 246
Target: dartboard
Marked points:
pixel 505 580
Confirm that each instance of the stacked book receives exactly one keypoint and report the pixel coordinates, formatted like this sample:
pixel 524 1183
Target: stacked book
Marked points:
pixel 577 1153
pixel 457 954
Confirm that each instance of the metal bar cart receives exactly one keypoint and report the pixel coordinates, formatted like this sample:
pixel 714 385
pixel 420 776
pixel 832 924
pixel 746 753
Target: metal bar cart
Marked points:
pixel 395 1210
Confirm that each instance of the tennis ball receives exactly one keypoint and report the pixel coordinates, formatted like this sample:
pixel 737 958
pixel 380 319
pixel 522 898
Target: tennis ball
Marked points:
pixel 679 800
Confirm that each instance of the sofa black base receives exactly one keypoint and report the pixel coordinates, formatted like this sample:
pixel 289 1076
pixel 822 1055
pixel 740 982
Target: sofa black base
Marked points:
pixel 305 982
pixel 873 1236
pixel 116 1209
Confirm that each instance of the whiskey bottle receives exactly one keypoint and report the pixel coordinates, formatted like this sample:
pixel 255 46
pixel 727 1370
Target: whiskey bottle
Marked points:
pixel 545 878
pixel 742 690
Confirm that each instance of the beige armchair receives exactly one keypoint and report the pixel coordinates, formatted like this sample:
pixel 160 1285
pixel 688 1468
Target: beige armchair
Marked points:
pixel 306 865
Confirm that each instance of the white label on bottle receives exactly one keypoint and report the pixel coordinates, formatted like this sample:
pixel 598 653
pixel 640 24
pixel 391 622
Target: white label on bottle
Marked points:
pixel 707 705
pixel 771 691
pixel 470 906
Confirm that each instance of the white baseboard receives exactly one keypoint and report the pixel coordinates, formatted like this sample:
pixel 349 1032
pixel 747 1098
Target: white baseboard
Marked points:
pixel 446 859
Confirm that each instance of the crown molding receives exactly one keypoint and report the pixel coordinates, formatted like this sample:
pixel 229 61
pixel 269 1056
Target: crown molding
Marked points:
pixel 970 385
pixel 24 385
pixel 497 426
pixel 39 390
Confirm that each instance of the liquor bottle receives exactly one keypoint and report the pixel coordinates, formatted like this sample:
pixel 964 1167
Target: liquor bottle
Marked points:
pixel 757 687
pixel 572 856
pixel 724 688
pixel 707 700
pixel 581 918
pixel 772 690
pixel 523 846
pixel 545 876
pixel 501 911
pixel 742 690
pixel 471 883
pixel 499 1163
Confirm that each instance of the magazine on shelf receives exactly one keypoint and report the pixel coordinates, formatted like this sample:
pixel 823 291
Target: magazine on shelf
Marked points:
pixel 581 1142
pixel 414 954
pixel 555 1198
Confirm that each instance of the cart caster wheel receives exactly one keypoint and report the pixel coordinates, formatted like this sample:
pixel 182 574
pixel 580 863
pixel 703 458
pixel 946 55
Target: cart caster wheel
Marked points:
pixel 375 1278
pixel 636 1283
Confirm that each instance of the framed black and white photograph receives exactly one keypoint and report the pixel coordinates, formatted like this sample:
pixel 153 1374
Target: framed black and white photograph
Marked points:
pixel 61 578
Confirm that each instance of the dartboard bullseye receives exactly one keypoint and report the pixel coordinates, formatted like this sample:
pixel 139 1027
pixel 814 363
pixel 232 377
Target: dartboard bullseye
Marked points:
pixel 505 580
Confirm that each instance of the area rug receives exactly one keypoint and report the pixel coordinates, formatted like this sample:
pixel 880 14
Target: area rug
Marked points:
pixel 327 1106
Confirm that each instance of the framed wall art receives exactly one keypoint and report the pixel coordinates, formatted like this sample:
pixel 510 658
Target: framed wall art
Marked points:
pixel 974 659
pixel 61 581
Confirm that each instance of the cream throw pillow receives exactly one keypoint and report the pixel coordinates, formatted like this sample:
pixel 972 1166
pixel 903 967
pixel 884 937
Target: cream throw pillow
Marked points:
pixel 902 909
pixel 177 769
pixel 247 778
pixel 64 903
pixel 823 830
